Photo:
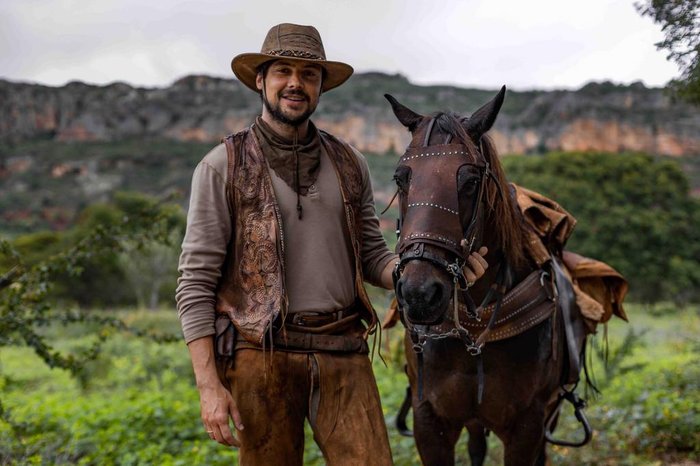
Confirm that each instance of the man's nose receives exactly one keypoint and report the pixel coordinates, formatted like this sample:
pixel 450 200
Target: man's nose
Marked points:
pixel 294 80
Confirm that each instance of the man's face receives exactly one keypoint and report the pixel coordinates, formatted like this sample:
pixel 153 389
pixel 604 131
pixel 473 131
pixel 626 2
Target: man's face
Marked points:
pixel 292 90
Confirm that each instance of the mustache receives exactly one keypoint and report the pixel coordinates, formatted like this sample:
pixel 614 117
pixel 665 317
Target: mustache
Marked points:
pixel 296 93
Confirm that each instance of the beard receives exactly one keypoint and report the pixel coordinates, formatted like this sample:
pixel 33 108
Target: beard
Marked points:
pixel 283 117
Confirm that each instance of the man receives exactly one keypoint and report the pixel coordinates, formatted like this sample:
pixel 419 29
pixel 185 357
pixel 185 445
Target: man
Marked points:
pixel 281 233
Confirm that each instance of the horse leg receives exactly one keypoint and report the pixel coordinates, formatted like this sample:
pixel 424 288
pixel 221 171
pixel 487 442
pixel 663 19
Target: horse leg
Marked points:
pixel 525 445
pixel 542 459
pixel 477 443
pixel 435 436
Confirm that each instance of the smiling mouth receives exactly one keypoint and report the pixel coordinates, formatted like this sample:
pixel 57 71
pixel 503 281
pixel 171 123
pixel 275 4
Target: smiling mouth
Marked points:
pixel 295 97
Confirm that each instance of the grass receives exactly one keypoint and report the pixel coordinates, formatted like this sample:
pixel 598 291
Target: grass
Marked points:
pixel 139 404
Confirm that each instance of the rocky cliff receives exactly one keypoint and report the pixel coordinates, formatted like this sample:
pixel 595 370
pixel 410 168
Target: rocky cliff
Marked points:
pixel 599 116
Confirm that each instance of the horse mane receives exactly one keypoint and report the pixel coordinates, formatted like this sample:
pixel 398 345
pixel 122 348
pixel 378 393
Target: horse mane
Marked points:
pixel 502 213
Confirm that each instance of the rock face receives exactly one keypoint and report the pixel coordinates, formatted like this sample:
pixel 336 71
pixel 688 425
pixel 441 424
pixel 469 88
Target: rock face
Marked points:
pixel 599 116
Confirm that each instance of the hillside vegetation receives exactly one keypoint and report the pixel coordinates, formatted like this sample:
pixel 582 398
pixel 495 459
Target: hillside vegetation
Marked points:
pixel 634 211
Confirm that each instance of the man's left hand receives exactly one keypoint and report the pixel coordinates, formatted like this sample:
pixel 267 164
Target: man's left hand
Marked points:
pixel 476 265
pixel 474 269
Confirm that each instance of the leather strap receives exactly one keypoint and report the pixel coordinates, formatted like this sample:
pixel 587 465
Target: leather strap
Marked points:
pixel 323 326
pixel 315 319
pixel 574 328
pixel 523 307
pixel 314 342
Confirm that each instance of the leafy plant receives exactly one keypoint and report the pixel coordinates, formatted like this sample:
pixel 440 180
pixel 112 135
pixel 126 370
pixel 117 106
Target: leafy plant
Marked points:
pixel 25 289
pixel 634 212
pixel 680 22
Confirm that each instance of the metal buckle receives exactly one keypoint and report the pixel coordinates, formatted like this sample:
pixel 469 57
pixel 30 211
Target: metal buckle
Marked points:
pixel 455 270
pixel 551 290
pixel 474 350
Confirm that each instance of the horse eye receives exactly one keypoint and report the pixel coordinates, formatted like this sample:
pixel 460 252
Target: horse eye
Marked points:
pixel 468 181
pixel 402 177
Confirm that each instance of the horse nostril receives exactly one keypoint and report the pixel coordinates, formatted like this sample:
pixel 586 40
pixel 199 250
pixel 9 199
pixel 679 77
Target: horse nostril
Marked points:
pixel 433 294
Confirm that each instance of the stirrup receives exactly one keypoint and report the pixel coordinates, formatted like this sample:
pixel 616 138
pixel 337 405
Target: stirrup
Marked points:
pixel 579 404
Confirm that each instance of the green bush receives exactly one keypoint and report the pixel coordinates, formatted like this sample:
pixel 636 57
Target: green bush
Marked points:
pixel 141 273
pixel 634 212
pixel 140 405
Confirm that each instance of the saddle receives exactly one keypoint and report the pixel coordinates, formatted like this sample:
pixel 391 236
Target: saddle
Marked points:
pixel 599 289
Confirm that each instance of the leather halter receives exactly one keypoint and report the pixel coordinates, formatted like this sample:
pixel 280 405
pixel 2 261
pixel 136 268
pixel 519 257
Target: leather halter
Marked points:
pixel 443 228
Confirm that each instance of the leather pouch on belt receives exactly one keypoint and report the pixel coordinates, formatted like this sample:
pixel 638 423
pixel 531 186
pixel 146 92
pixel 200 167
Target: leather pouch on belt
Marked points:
pixel 224 346
pixel 224 340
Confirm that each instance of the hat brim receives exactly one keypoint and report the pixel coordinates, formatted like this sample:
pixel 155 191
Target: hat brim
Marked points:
pixel 245 67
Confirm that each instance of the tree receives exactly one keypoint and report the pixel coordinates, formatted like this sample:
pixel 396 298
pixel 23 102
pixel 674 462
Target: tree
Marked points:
pixel 680 22
pixel 151 267
pixel 27 304
pixel 634 212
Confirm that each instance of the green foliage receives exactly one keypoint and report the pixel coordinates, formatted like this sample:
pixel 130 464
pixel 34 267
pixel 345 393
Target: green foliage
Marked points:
pixel 140 270
pixel 143 409
pixel 649 406
pixel 680 22
pixel 39 199
pixel 659 409
pixel 26 304
pixel 141 405
pixel 634 212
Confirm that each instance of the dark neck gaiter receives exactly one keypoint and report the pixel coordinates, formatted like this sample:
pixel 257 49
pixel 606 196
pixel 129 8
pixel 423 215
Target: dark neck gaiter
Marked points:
pixel 297 164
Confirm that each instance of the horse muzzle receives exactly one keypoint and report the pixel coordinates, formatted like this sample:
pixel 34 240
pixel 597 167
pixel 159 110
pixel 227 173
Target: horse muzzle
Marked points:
pixel 423 294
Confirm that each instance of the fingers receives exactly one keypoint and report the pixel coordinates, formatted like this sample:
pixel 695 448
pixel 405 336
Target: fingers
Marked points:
pixel 480 257
pixel 477 265
pixel 217 406
pixel 235 415
pixel 221 432
pixel 227 437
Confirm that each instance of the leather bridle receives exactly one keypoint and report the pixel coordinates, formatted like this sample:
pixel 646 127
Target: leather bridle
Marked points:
pixel 447 233
pixel 444 231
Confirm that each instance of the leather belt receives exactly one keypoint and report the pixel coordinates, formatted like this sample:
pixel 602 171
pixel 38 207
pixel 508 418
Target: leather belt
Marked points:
pixel 316 342
pixel 318 318
pixel 334 331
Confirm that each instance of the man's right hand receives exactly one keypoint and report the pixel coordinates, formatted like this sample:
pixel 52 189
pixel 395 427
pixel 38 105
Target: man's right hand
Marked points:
pixel 216 402
pixel 217 406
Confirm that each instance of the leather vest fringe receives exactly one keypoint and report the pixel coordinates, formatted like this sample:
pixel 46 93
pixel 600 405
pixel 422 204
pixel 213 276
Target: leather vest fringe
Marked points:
pixel 252 291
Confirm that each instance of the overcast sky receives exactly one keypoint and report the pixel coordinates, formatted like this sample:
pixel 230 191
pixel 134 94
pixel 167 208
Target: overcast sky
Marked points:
pixel 525 44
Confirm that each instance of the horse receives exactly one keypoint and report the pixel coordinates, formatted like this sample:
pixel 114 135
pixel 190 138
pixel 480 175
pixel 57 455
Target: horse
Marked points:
pixel 500 366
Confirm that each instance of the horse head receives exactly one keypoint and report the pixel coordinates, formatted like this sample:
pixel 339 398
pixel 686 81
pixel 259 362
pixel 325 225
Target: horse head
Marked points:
pixel 451 200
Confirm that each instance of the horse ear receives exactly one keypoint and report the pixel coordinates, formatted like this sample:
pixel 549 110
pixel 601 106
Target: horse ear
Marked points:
pixel 483 119
pixel 406 116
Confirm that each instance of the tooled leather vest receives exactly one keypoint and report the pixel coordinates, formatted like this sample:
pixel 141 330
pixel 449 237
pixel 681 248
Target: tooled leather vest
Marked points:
pixel 251 290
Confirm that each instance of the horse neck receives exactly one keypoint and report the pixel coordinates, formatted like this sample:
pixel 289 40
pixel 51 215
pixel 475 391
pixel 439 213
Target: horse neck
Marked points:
pixel 497 258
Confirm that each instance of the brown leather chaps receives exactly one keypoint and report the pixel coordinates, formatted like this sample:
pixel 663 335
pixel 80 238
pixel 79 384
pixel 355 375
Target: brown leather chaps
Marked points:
pixel 336 392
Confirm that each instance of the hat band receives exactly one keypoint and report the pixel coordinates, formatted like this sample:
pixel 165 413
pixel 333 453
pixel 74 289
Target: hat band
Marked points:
pixel 294 53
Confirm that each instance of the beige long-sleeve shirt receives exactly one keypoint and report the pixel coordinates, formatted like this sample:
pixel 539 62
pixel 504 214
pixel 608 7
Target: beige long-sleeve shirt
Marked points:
pixel 318 261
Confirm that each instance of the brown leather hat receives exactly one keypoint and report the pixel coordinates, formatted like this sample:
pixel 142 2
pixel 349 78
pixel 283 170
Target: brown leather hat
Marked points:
pixel 291 42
